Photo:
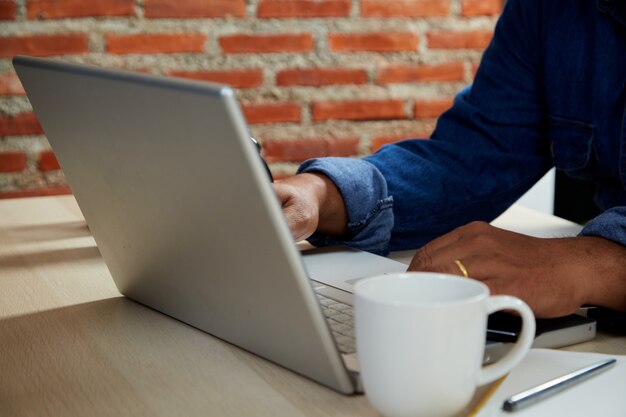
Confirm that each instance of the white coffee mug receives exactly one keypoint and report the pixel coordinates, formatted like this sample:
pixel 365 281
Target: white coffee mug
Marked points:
pixel 421 337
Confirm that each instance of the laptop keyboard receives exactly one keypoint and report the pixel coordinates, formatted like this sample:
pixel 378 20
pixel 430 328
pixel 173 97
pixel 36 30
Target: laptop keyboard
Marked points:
pixel 341 321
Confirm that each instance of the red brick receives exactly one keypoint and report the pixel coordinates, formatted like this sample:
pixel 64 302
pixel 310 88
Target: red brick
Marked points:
pixel 47 161
pixel 301 149
pixel 404 8
pixel 343 146
pixel 320 76
pixel 373 41
pixel 10 84
pixel 474 68
pixel 272 112
pixel 57 9
pixel 452 71
pixel 194 8
pixel 481 7
pixel 431 108
pixel 12 161
pixel 8 10
pixel 358 110
pixel 19 125
pixel 36 192
pixel 44 45
pixel 473 39
pixel 260 43
pixel 303 8
pixel 155 43
pixel 380 141
pixel 245 78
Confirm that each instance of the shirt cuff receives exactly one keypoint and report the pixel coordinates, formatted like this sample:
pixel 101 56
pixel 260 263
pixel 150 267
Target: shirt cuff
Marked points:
pixel 364 192
pixel 610 225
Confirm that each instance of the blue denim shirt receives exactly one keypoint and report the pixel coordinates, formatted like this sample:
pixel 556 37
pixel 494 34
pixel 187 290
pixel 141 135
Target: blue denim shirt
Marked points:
pixel 550 91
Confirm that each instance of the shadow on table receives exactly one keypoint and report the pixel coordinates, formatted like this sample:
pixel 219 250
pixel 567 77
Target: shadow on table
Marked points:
pixel 47 257
pixel 52 231
pixel 117 357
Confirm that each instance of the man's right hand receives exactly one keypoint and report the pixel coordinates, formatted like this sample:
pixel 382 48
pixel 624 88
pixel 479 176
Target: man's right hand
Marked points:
pixel 312 202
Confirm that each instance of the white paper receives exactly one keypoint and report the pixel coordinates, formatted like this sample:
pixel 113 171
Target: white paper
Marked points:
pixel 601 395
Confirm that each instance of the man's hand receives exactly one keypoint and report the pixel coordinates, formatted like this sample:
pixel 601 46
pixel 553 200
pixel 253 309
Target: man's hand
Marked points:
pixel 312 202
pixel 554 276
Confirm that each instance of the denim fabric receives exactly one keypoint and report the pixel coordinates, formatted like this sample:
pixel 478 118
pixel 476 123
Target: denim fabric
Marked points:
pixel 550 91
pixel 364 190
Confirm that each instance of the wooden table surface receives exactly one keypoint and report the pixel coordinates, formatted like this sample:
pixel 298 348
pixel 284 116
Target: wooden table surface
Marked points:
pixel 71 345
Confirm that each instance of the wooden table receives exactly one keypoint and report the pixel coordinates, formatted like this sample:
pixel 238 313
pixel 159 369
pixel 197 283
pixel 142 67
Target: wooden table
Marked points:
pixel 71 345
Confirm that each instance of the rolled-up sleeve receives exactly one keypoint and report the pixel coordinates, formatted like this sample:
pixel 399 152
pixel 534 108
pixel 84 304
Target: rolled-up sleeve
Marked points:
pixel 610 225
pixel 369 207
pixel 484 153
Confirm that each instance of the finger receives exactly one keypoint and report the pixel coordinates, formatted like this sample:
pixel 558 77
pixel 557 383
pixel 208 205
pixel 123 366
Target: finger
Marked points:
pixel 424 259
pixel 293 216
pixel 282 192
pixel 478 267
pixel 295 222
pixel 449 267
pixel 424 256
pixel 464 241
pixel 493 272
pixel 300 232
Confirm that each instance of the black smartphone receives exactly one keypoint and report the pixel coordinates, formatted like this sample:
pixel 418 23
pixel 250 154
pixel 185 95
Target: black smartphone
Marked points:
pixel 259 149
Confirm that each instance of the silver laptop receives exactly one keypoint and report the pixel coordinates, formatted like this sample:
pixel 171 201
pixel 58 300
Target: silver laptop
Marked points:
pixel 179 203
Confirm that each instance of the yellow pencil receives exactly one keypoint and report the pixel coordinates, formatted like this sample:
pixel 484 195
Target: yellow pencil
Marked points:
pixel 486 397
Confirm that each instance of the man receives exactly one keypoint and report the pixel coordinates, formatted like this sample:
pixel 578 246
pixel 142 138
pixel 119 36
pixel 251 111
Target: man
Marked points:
pixel 550 91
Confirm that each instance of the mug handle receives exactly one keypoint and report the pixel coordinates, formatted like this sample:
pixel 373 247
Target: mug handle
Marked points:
pixel 494 371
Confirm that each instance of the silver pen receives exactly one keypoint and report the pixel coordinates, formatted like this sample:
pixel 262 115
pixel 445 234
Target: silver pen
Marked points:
pixel 547 389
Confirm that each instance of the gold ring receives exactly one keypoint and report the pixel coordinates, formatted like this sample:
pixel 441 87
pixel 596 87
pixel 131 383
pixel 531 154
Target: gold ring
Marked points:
pixel 462 268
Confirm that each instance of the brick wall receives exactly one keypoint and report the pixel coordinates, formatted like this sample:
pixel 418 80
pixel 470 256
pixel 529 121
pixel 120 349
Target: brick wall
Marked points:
pixel 314 77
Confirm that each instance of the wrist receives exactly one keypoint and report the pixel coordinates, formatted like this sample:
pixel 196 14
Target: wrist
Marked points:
pixel 607 285
pixel 333 217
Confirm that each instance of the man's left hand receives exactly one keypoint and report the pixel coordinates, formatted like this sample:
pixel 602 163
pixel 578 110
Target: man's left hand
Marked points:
pixel 554 276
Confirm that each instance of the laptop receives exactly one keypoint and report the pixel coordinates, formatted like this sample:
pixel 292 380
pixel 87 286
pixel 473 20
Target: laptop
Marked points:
pixel 180 206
